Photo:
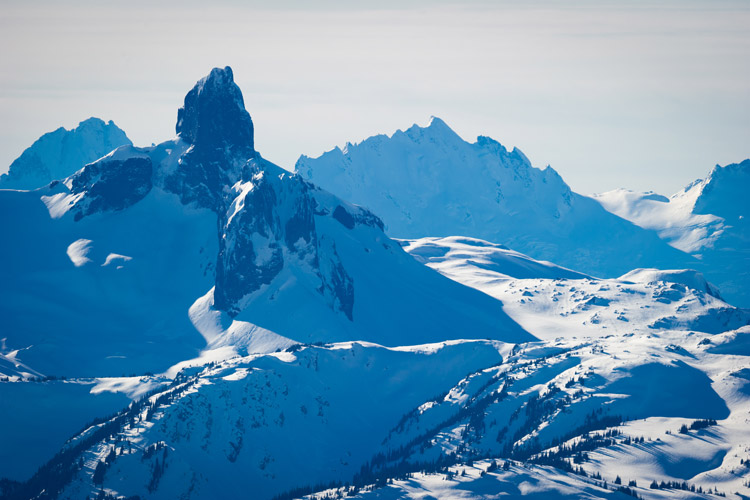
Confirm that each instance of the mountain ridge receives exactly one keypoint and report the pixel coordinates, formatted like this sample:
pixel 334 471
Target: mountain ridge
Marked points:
pixel 62 152
pixel 707 219
pixel 487 192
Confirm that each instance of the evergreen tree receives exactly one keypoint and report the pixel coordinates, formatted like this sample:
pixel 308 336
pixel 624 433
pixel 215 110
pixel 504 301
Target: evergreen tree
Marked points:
pixel 98 477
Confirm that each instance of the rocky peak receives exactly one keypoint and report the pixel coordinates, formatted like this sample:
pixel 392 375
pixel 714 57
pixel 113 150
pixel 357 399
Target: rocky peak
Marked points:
pixel 215 122
pixel 214 114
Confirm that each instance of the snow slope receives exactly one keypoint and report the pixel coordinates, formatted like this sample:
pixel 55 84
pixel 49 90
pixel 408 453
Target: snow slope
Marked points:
pixel 225 428
pixel 708 219
pixel 552 302
pixel 567 413
pixel 428 181
pixel 150 260
pixel 38 417
pixel 588 407
pixel 60 153
pixel 497 260
pixel 262 424
pixel 129 246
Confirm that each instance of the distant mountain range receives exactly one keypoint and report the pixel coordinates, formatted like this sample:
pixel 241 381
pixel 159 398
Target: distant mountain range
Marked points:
pixel 428 181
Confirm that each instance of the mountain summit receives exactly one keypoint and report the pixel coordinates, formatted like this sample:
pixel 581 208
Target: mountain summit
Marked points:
pixel 231 330
pixel 60 153
pixel 214 123
pixel 710 219
pixel 214 114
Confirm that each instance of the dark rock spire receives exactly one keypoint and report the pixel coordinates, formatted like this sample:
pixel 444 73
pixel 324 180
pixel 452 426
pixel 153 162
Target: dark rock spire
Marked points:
pixel 214 114
pixel 215 122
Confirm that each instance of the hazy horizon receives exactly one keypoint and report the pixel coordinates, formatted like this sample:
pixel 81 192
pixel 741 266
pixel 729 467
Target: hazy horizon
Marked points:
pixel 609 94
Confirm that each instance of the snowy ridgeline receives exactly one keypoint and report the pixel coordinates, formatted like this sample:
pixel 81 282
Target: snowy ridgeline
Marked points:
pixel 428 182
pixel 709 219
pixel 566 416
pixel 58 154
pixel 233 330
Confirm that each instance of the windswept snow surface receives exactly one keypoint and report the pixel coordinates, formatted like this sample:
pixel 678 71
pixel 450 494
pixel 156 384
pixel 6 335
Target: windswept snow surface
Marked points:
pixel 672 217
pixel 497 260
pixel 37 418
pixel 78 316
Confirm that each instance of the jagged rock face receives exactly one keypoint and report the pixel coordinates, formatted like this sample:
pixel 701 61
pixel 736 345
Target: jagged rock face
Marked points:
pixel 215 122
pixel 249 252
pixel 110 185
pixel 267 217
pixel 214 114
pixel 271 223
pixel 204 177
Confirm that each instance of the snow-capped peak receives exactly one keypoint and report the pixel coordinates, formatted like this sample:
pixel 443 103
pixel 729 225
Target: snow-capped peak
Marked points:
pixel 724 192
pixel 60 153
pixel 436 131
pixel 708 219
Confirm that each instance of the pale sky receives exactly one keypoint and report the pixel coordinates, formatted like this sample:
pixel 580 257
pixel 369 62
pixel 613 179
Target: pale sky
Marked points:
pixel 642 95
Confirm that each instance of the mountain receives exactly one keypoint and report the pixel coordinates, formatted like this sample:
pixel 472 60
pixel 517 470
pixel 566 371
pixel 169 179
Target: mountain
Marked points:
pixel 222 428
pixel 189 320
pixel 58 154
pixel 578 420
pixel 566 415
pixel 708 219
pixel 428 181
pixel 200 242
pixel 552 302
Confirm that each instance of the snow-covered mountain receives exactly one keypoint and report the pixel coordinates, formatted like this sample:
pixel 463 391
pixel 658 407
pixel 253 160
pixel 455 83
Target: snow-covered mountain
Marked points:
pixel 579 420
pixel 708 219
pixel 498 261
pixel 216 430
pixel 58 154
pixel 189 320
pixel 200 240
pixel 564 414
pixel 429 182
pixel 553 302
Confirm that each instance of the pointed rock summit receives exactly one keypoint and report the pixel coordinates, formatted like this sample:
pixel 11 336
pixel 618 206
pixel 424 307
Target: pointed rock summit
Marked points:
pixel 215 122
pixel 214 113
